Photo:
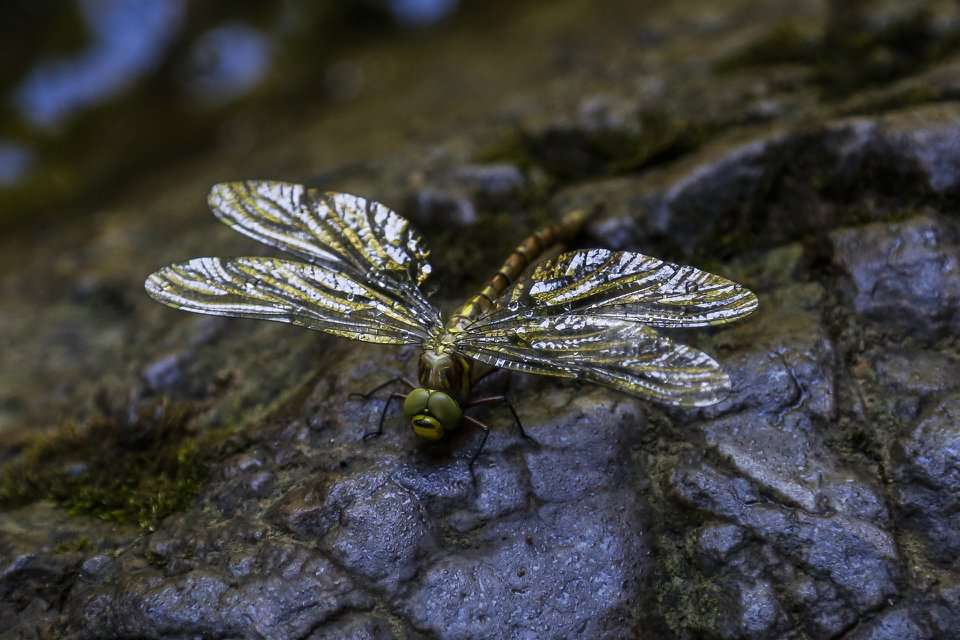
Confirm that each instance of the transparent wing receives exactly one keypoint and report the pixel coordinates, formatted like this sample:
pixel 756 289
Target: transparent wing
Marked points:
pixel 631 287
pixel 626 356
pixel 344 232
pixel 310 295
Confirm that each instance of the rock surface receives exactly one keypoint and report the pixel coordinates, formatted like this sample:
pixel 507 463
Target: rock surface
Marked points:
pixel 820 500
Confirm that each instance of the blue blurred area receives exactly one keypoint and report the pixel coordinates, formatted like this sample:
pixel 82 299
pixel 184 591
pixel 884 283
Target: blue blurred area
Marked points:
pixel 163 71
pixel 15 162
pixel 226 62
pixel 421 13
pixel 129 38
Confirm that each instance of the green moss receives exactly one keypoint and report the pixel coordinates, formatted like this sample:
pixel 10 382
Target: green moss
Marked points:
pixel 662 138
pixel 129 473
pixel 512 148
pixel 77 545
pixel 689 602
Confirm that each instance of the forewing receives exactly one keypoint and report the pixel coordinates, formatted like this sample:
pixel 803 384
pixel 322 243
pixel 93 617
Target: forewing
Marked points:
pixel 310 295
pixel 345 232
pixel 629 357
pixel 632 287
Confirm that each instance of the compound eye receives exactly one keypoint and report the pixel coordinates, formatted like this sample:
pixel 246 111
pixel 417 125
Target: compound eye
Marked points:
pixel 415 402
pixel 427 427
pixel 445 409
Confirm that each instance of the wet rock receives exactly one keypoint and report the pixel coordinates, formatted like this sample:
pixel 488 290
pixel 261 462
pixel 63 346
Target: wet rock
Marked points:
pixel 786 359
pixel 929 138
pixel 432 206
pixel 825 613
pixel 781 185
pixel 716 542
pixel 905 273
pixel 492 185
pixel 355 627
pixel 43 555
pixel 560 571
pixel 291 592
pixel 30 587
pixel 786 458
pixel 920 373
pixel 755 611
pixel 165 374
pixel 899 623
pixel 598 436
pixel 501 488
pixel 367 506
pixel 720 181
pixel 859 559
pixel 301 511
pixel 624 224
pixel 770 430
pixel 97 567
pixel 928 479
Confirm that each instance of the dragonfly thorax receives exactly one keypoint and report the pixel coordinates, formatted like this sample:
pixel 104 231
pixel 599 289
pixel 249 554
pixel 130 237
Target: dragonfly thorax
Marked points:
pixel 442 369
pixel 433 409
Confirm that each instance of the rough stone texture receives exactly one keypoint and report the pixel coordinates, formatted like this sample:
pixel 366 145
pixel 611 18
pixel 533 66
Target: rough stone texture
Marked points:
pixel 928 474
pixel 820 500
pixel 907 272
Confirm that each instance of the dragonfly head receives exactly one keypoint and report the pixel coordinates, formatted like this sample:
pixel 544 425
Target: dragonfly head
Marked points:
pixel 431 413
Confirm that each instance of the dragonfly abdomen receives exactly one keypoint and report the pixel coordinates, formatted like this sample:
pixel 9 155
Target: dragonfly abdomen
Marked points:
pixel 516 263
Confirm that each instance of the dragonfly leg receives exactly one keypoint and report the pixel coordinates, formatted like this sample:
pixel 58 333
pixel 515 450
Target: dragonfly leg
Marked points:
pixel 486 434
pixel 505 400
pixel 383 416
pixel 366 396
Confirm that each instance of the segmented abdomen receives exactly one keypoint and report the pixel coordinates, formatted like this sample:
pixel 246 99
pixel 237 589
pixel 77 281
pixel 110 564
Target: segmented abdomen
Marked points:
pixel 516 263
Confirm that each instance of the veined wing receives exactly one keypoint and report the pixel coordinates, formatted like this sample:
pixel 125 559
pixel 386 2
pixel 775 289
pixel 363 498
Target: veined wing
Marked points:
pixel 310 295
pixel 342 231
pixel 629 357
pixel 631 287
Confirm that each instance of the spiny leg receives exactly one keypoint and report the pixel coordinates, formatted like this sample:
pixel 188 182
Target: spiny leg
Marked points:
pixel 383 416
pixel 506 401
pixel 366 396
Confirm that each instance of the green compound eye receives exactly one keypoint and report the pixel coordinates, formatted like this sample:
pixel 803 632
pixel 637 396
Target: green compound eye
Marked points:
pixel 431 413
pixel 415 402
pixel 427 427
pixel 445 409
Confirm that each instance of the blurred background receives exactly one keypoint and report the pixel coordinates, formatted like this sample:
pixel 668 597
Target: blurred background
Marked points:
pixel 97 92
pixel 118 115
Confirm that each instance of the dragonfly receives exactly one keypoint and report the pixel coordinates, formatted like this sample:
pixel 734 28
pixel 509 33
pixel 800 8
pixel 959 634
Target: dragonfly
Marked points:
pixel 590 315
